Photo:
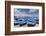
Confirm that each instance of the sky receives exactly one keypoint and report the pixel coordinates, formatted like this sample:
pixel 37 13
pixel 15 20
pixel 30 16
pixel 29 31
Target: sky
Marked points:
pixel 26 12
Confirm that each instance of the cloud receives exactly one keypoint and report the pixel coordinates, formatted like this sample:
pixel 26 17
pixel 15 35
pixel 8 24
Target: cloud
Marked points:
pixel 26 12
